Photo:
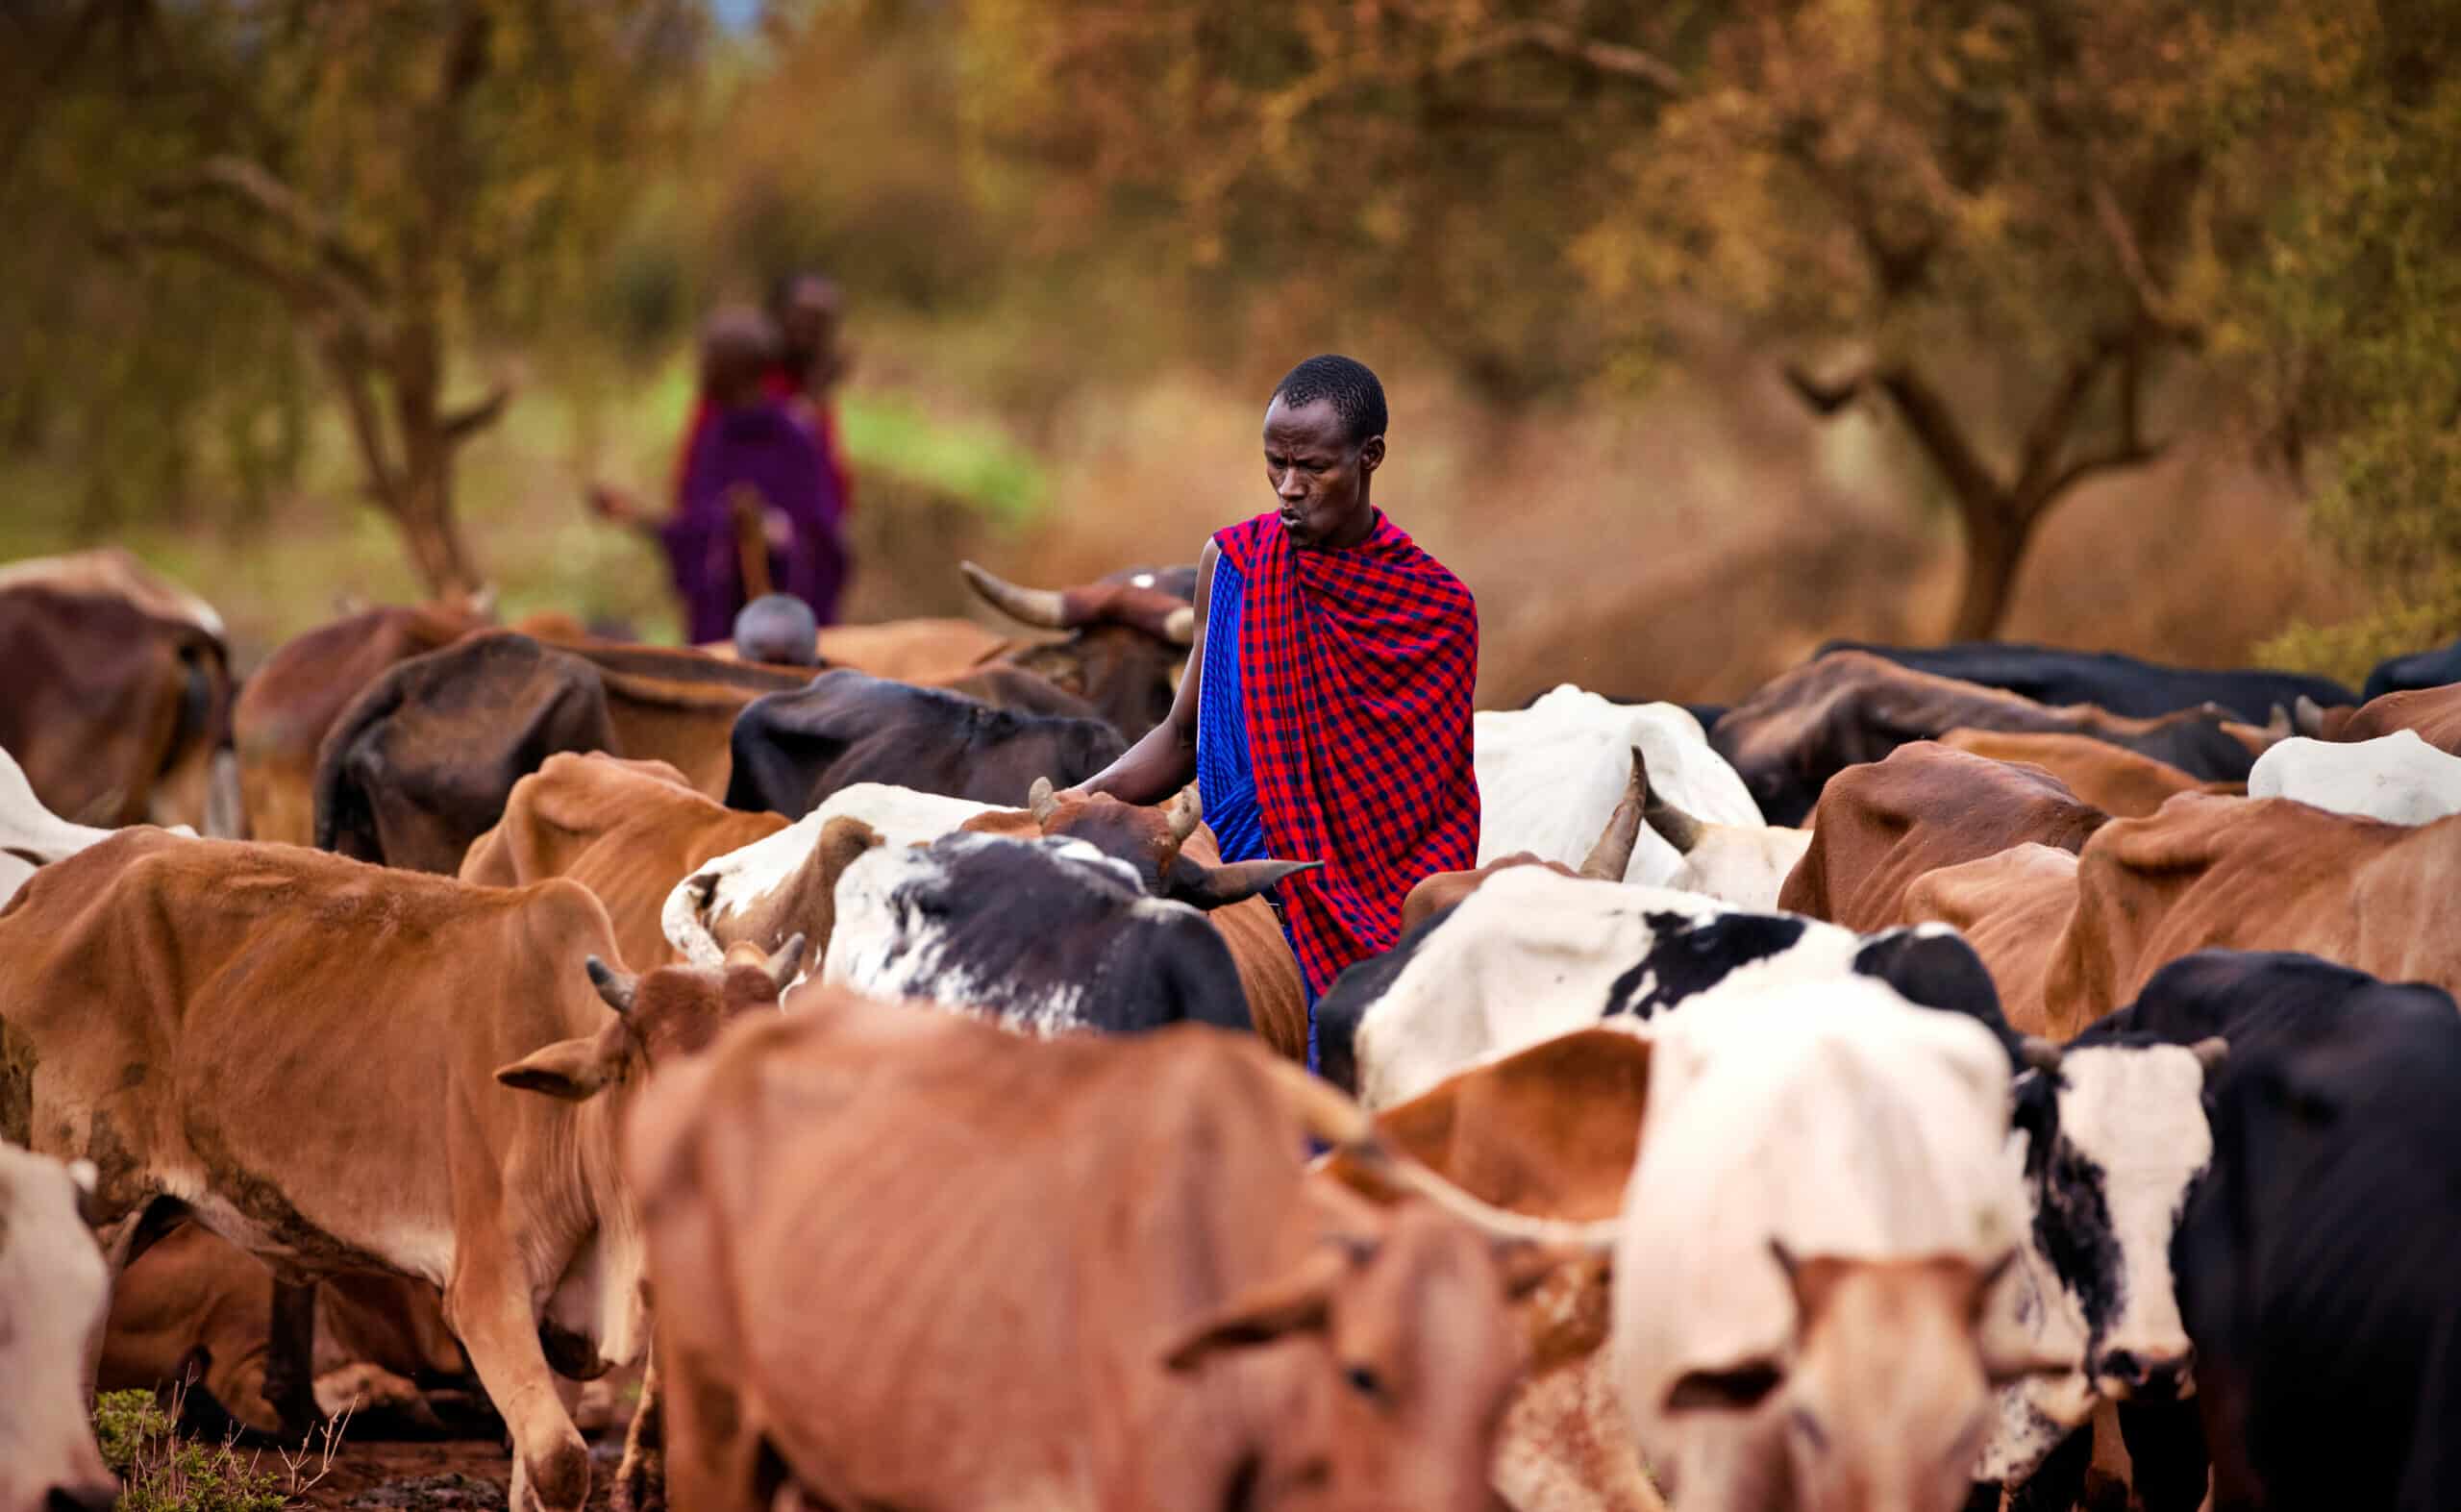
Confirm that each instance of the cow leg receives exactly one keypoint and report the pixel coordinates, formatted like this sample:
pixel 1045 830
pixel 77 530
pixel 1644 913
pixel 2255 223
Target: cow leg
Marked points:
pixel 640 1479
pixel 488 1306
pixel 2058 1483
pixel 2166 1453
pixel 290 1357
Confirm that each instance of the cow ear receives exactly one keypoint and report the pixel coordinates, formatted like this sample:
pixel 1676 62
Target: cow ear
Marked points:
pixel 1297 1302
pixel 573 1070
pixel 1210 887
pixel 1739 1387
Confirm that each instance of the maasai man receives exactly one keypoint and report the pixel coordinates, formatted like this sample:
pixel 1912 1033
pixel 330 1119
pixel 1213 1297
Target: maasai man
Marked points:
pixel 756 469
pixel 1324 713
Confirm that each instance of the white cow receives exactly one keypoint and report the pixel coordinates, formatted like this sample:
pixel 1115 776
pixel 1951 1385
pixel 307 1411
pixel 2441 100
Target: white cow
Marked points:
pixel 54 1291
pixel 1533 954
pixel 740 881
pixel 2397 778
pixel 31 836
pixel 1549 775
pixel 1809 1299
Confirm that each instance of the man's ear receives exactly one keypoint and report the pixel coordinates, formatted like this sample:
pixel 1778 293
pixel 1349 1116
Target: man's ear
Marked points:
pixel 574 1070
pixel 1371 454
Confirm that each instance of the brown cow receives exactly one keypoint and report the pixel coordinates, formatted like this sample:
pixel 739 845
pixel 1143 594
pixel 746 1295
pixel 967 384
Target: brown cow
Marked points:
pixel 1850 706
pixel 2255 873
pixel 117 694
pixel 195 1299
pixel 1606 862
pixel 628 831
pixel 341 1068
pixel 292 699
pixel 425 759
pixel 1882 825
pixel 2118 782
pixel 2010 907
pixel 2434 713
pixel 1129 636
pixel 869 1309
pixel 1551 1131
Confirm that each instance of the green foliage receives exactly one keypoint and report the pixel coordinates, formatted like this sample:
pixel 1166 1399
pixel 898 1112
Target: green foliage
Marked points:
pixel 162 1471
pixel 975 463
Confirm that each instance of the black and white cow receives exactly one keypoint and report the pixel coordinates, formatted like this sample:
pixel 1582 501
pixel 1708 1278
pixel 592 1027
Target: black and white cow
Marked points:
pixel 1043 936
pixel 2320 1262
pixel 1534 954
pixel 2123 684
pixel 2110 1143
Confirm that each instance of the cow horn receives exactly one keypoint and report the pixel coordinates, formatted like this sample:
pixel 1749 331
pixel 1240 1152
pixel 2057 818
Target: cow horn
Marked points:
pixel 2038 1054
pixel 1210 887
pixel 1612 854
pixel 613 985
pixel 1042 607
pixel 1185 812
pixel 2279 726
pixel 1330 1116
pixel 2307 716
pixel 1672 824
pixel 789 961
pixel 1041 802
pixel 1179 627
pixel 2210 1051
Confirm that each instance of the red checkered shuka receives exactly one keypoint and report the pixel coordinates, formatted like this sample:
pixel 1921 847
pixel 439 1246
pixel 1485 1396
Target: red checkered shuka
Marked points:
pixel 1357 668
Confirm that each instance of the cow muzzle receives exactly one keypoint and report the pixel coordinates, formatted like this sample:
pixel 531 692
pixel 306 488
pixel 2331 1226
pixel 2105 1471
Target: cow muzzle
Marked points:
pixel 2126 1375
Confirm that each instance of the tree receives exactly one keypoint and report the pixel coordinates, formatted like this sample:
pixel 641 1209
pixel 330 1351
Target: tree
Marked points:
pixel 1879 188
pixel 404 177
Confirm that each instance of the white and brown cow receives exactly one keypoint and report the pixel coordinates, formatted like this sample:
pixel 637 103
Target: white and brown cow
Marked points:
pixel 1807 1283
pixel 53 1290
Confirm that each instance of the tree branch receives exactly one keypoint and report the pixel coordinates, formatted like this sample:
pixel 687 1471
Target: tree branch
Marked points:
pixel 2084 467
pixel 2049 435
pixel 350 364
pixel 258 188
pixel 1925 414
pixel 176 233
pixel 2157 305
pixel 461 424
pixel 1613 59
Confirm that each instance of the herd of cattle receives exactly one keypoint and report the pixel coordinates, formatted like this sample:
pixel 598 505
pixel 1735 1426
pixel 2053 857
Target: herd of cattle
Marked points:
pixel 1945 1080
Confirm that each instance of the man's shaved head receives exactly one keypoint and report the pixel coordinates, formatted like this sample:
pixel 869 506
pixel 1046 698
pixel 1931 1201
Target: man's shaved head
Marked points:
pixel 1356 396
pixel 779 628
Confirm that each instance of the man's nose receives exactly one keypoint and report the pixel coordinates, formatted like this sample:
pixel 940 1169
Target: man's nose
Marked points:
pixel 1290 486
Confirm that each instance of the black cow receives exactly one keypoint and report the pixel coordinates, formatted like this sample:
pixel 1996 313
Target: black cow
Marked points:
pixel 2439 667
pixel 793 750
pixel 1043 936
pixel 2319 1263
pixel 2119 683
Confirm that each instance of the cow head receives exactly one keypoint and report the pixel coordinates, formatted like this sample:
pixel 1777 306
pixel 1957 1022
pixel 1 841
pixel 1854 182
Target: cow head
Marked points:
pixel 660 1016
pixel 1883 1393
pixel 1408 1353
pixel 54 1289
pixel 2115 1138
pixel 1150 841
pixel 1128 638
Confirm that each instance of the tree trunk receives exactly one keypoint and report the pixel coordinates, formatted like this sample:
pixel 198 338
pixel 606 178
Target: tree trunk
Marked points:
pixel 1996 537
pixel 427 522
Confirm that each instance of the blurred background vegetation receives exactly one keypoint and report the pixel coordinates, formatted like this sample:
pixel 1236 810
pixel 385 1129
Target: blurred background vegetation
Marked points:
pixel 1712 329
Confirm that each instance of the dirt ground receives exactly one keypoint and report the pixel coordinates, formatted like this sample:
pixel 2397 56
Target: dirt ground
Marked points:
pixel 446 1476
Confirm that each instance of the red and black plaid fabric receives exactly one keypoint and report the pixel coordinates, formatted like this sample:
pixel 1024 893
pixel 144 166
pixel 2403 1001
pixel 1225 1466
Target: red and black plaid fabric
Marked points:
pixel 1357 668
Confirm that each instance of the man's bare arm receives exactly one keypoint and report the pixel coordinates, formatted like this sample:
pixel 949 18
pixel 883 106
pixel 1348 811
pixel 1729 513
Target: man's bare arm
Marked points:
pixel 1164 761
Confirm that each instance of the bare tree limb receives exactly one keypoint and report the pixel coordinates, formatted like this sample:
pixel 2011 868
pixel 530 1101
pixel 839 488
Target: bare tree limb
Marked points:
pixel 349 364
pixel 1616 59
pixel 2158 305
pixel 461 424
pixel 175 232
pixel 2047 435
pixel 1927 414
pixel 261 190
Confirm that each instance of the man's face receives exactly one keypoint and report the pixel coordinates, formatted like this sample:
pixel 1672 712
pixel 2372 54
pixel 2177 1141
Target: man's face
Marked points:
pixel 1318 474
pixel 808 321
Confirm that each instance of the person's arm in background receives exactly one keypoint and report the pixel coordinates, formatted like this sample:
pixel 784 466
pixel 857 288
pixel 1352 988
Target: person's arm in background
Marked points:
pixel 1163 763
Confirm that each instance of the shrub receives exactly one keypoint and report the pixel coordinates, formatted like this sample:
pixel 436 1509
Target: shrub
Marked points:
pixel 160 1471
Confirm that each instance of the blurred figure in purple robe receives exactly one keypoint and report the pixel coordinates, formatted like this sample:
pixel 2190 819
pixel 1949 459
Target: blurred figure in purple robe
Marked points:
pixel 758 509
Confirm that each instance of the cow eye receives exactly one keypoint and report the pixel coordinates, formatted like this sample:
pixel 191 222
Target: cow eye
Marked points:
pixel 1807 1427
pixel 1364 1380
